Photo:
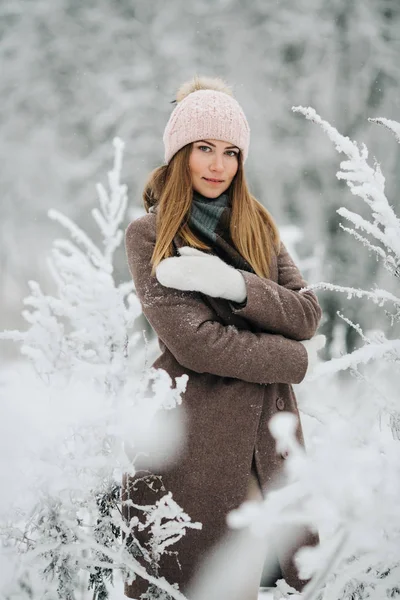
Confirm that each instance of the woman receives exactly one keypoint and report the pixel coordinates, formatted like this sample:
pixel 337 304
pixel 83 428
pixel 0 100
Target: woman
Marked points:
pixel 222 294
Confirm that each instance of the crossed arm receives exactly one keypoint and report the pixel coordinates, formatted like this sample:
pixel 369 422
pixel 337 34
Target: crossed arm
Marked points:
pixel 194 335
pixel 280 307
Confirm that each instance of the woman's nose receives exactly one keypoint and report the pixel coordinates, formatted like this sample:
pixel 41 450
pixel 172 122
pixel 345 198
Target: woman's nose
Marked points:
pixel 217 163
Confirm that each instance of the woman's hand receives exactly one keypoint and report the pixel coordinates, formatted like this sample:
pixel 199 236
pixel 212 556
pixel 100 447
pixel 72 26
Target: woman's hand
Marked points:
pixel 195 270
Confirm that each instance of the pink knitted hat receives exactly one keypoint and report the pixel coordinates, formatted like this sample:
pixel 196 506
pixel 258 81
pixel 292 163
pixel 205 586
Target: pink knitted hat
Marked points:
pixel 206 109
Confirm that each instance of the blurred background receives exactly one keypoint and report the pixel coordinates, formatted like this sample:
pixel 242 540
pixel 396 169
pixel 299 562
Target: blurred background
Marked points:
pixel 75 73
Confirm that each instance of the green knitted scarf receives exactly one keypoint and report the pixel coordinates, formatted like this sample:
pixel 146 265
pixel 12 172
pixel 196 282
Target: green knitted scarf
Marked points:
pixel 209 219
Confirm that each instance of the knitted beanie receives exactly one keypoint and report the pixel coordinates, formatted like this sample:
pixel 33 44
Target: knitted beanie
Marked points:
pixel 206 109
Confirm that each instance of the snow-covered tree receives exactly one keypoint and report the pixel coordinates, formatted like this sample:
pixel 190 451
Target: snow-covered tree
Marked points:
pixel 84 330
pixel 85 419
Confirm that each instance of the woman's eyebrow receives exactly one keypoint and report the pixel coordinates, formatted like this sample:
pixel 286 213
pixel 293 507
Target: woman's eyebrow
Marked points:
pixel 214 146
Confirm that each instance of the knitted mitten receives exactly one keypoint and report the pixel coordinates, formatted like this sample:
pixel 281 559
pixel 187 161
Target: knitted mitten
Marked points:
pixel 197 271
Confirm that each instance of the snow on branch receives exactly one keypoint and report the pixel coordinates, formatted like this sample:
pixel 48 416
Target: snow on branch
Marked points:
pixel 348 490
pixel 369 184
pixel 378 296
pixel 393 126
pixel 85 328
pixel 389 350
pixel 364 181
pixel 168 523
pixel 112 204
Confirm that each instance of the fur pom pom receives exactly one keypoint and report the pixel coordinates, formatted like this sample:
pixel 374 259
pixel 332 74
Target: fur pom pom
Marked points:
pixel 202 83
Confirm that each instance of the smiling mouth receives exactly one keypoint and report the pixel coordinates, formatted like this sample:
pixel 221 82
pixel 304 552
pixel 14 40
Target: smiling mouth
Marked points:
pixel 214 180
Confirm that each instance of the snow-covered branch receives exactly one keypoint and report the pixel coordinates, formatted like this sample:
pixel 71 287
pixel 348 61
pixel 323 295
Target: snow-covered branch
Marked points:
pixel 364 181
pixel 378 296
pixel 393 126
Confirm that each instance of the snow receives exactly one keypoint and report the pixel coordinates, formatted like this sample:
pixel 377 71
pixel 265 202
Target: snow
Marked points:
pixel 70 416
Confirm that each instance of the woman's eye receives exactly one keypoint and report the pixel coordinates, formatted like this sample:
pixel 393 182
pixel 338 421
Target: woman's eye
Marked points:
pixel 229 152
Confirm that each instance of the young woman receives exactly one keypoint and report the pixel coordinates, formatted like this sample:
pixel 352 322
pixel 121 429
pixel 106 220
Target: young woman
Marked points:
pixel 222 294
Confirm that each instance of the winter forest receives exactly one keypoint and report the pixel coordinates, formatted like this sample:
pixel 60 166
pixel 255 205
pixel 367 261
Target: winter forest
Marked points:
pixel 86 91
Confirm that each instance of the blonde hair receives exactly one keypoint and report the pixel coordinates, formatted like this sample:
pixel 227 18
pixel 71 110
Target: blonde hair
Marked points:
pixel 252 228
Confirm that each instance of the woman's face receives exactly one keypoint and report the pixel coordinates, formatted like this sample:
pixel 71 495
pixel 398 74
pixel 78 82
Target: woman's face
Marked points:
pixel 213 164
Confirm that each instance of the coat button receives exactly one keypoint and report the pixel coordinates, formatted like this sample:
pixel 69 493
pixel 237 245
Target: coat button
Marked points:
pixel 280 403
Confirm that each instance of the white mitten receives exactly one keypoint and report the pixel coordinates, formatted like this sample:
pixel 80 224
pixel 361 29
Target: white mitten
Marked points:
pixel 312 346
pixel 195 270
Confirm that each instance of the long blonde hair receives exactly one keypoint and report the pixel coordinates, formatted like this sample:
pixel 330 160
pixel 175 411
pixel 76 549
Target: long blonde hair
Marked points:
pixel 252 228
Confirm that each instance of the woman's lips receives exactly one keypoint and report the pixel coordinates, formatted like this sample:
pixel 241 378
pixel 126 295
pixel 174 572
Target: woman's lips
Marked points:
pixel 214 181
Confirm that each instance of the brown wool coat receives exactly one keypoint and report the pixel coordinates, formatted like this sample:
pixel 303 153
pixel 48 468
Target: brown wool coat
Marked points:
pixel 241 363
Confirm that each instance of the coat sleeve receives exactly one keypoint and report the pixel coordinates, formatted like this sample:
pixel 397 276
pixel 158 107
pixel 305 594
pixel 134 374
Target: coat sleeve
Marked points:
pixel 280 307
pixel 190 329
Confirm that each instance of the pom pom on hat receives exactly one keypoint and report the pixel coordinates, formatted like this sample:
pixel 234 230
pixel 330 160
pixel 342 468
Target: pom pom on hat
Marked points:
pixel 206 109
pixel 202 83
